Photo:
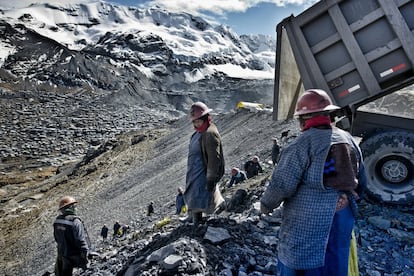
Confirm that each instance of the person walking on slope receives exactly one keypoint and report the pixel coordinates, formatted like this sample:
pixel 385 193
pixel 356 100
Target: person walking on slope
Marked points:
pixel 318 178
pixel 179 201
pixel 104 232
pixel 275 151
pixel 150 208
pixel 116 228
pixel 71 237
pixel 205 164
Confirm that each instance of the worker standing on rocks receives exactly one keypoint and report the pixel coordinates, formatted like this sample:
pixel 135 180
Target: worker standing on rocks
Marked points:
pixel 71 238
pixel 179 201
pixel 275 150
pixel 104 232
pixel 205 164
pixel 317 178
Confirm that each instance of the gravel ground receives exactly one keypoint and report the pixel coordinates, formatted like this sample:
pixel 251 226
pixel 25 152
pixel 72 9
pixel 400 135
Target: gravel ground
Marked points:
pixel 119 179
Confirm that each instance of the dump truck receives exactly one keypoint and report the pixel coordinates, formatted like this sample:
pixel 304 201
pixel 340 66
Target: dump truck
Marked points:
pixel 358 51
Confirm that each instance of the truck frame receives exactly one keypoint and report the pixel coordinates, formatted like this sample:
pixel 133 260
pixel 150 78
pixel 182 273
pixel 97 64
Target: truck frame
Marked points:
pixel 357 51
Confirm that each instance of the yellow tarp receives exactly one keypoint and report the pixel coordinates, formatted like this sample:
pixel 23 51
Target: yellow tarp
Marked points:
pixel 249 105
pixel 163 222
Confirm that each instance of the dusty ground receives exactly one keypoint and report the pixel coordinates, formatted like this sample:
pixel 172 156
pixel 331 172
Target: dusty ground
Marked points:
pixel 117 181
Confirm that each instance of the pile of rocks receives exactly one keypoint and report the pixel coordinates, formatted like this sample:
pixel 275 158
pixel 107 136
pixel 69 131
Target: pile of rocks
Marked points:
pixel 54 127
pixel 240 241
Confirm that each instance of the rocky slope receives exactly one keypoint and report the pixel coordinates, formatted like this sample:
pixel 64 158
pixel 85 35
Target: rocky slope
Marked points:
pixel 120 177
pixel 140 55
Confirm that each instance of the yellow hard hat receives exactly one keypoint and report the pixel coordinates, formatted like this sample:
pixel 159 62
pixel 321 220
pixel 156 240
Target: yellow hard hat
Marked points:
pixel 66 201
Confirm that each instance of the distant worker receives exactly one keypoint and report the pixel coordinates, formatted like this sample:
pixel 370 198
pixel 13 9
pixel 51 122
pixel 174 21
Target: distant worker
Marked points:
pixel 252 167
pixel 71 238
pixel 104 232
pixel 275 151
pixel 179 201
pixel 124 230
pixel 237 176
pixel 117 226
pixel 150 208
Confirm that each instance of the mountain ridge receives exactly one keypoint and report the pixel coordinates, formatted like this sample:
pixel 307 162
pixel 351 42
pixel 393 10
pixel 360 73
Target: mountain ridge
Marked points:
pixel 129 44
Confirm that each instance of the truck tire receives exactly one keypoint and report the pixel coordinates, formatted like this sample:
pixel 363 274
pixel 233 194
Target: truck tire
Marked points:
pixel 389 163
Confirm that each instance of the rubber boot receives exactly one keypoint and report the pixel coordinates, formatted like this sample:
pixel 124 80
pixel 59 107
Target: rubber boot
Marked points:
pixel 197 218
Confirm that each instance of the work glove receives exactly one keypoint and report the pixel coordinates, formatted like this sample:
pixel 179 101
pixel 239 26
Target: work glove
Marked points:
pixel 210 186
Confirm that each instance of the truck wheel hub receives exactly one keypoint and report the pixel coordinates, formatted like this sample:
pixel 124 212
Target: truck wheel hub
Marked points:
pixel 394 171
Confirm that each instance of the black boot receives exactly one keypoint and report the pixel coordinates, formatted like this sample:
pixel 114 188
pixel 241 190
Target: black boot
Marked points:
pixel 197 218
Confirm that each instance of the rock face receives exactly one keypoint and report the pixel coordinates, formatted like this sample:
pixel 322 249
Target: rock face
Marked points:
pixel 100 74
pixel 139 55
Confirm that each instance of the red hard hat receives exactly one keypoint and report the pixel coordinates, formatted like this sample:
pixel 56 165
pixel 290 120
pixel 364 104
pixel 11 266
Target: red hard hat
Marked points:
pixel 66 201
pixel 198 110
pixel 313 101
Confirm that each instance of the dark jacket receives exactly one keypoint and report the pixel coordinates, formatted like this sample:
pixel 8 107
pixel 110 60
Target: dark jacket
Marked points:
pixel 117 226
pixel 104 232
pixel 212 151
pixel 275 153
pixel 70 236
pixel 252 168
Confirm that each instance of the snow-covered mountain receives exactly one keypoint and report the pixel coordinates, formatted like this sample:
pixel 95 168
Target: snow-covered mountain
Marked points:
pixel 104 47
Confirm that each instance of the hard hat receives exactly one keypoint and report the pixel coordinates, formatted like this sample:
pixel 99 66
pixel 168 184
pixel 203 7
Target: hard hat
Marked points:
pixel 234 170
pixel 66 201
pixel 313 101
pixel 198 110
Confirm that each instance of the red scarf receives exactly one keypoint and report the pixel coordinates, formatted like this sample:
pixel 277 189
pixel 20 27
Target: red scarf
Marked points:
pixel 317 121
pixel 205 125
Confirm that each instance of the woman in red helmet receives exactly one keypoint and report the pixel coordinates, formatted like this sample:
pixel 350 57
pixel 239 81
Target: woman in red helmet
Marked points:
pixel 205 165
pixel 316 178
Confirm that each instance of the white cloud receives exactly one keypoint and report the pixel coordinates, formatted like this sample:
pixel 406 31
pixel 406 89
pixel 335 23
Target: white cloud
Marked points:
pixel 4 4
pixel 221 7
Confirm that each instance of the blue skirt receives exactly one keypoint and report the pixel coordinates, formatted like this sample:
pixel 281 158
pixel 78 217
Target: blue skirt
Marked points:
pixel 337 251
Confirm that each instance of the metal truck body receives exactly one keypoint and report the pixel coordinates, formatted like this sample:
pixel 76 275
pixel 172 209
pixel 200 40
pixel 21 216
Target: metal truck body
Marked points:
pixel 357 51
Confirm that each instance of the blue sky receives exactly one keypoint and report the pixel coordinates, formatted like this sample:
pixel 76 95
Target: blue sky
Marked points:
pixel 243 16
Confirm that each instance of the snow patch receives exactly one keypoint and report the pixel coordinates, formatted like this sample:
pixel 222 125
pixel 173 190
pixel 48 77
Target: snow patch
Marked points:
pixel 5 51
